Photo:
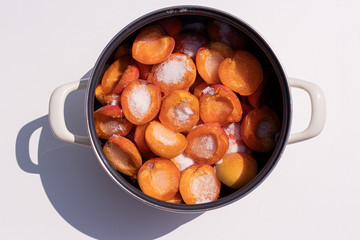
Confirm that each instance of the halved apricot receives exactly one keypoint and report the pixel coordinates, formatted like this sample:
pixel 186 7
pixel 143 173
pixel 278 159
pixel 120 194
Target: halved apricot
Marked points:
pixel 123 155
pixel 109 120
pixel 172 25
pixel 179 111
pixel 139 138
pixel 220 104
pixel 123 50
pixel 199 88
pixel 152 45
pixel 177 72
pixel 189 43
pixel 144 70
pixel 246 108
pixel 257 99
pixel 236 169
pixel 260 128
pixel 207 143
pixel 236 144
pixel 176 199
pixel 159 178
pixel 208 59
pixel 199 184
pixel 224 32
pixel 106 99
pixel 131 73
pixel 163 141
pixel 242 73
pixel 140 101
pixel 182 161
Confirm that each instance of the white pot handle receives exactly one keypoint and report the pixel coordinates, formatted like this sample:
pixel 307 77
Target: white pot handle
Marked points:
pixel 56 113
pixel 318 110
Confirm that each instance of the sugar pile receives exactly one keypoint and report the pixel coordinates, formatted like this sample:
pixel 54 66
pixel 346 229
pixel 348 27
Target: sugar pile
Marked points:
pixel 208 91
pixel 182 113
pixel 183 161
pixel 139 101
pixel 172 70
pixel 236 144
pixel 204 188
pixel 204 145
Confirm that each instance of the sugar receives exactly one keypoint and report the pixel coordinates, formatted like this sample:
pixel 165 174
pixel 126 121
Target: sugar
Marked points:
pixel 232 130
pixel 182 113
pixel 172 70
pixel 139 101
pixel 208 91
pixel 204 188
pixel 183 161
pixel 204 146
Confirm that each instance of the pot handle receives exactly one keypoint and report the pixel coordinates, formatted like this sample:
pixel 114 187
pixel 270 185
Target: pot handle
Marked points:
pixel 56 113
pixel 318 110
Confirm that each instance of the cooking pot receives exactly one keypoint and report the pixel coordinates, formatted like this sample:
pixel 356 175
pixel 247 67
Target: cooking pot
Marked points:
pixel 281 101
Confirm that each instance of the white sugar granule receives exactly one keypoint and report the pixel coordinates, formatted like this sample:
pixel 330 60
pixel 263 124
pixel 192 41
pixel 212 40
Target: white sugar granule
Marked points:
pixel 139 101
pixel 232 130
pixel 204 188
pixel 172 70
pixel 204 146
pixel 183 161
pixel 182 113
pixel 208 91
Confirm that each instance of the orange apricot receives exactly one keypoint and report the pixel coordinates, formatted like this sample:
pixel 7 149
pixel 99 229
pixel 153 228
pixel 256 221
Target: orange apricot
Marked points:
pixel 172 25
pixel 224 32
pixel 236 170
pixel 109 120
pixel 106 99
pixel 179 111
pixel 208 59
pixel 199 88
pixel 242 73
pixel 159 178
pixel 260 128
pixel 140 101
pixel 152 45
pixel 123 155
pixel 207 143
pixel 131 73
pixel 246 108
pixel 144 70
pixel 182 161
pixel 176 199
pixel 139 138
pixel 177 72
pixel 220 104
pixel 199 184
pixel 123 50
pixel 163 141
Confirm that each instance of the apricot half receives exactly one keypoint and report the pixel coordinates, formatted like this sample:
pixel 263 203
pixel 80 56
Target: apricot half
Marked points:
pixel 123 155
pixel 152 45
pixel 140 101
pixel 159 178
pixel 242 73
pixel 220 104
pixel 106 99
pixel 259 129
pixel 207 143
pixel 179 111
pixel 199 184
pixel 208 59
pixel 163 141
pixel 178 72
pixel 189 43
pixel 139 138
pixel 109 120
pixel 236 169
pixel 172 25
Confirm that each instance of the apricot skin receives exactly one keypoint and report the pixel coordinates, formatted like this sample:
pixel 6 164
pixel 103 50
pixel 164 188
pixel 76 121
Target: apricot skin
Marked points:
pixel 159 178
pixel 236 169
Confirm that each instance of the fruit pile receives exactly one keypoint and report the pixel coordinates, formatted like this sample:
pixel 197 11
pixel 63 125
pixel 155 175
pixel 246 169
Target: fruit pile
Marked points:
pixel 183 110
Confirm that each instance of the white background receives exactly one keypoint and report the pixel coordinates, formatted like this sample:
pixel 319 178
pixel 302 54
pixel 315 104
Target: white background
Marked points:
pixel 54 190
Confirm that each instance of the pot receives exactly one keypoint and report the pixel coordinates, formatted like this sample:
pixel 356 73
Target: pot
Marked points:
pixel 281 100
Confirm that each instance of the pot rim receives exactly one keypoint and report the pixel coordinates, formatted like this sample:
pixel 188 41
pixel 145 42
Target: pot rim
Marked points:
pixel 176 11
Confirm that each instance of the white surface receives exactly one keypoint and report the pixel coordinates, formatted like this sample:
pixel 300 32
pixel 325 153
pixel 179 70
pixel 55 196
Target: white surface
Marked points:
pixel 54 190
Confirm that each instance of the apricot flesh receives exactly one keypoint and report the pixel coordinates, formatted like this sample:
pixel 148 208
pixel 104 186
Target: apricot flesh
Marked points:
pixel 242 73
pixel 159 178
pixel 260 128
pixel 113 74
pixel 179 111
pixel 152 45
pixel 236 169
pixel 207 143
pixel 123 155
pixel 163 141
pixel 189 43
pixel 199 184
pixel 178 72
pixel 106 99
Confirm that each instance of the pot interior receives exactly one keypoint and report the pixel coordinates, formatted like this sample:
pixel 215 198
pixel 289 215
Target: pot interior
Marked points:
pixel 277 97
